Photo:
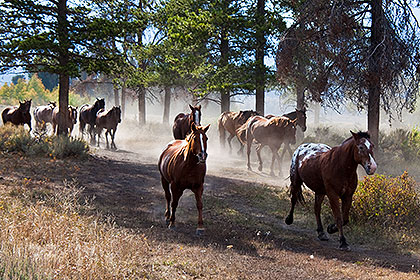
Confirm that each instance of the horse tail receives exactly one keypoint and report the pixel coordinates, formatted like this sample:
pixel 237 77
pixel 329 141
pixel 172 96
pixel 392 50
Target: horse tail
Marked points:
pixel 296 181
pixel 222 131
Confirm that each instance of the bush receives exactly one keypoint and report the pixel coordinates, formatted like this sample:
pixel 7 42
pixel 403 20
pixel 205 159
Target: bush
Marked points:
pixel 386 202
pixel 17 139
pixel 325 135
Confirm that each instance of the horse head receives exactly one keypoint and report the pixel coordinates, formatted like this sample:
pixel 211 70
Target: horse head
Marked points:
pixel 290 131
pixel 363 152
pixel 99 104
pixel 52 104
pixel 196 114
pixel 73 114
pixel 245 115
pixel 116 113
pixel 198 142
pixel 301 118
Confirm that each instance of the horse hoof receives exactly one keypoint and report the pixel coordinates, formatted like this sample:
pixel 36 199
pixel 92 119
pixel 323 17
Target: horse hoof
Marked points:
pixel 171 226
pixel 249 168
pixel 332 229
pixel 199 231
pixel 288 220
pixel 167 222
pixel 272 174
pixel 259 168
pixel 344 247
pixel 323 236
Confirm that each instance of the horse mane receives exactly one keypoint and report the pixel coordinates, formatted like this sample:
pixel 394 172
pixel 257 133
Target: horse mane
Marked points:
pixel 277 120
pixel 360 134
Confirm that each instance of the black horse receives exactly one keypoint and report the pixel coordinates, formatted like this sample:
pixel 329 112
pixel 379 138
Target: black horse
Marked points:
pixel 87 115
pixel 18 115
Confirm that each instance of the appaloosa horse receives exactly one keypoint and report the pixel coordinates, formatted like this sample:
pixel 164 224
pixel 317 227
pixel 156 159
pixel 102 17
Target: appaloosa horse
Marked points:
pixel 230 122
pixel 87 115
pixel 269 132
pixel 18 115
pixel 108 120
pixel 70 119
pixel 182 165
pixel 43 115
pixel 182 122
pixel 331 172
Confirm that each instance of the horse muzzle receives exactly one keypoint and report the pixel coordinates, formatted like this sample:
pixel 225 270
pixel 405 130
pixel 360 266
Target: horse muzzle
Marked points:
pixel 202 157
pixel 370 166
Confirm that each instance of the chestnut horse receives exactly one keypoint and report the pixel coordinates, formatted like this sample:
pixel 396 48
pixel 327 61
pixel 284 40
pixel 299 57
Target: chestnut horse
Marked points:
pixel 182 165
pixel 230 122
pixel 18 115
pixel 269 132
pixel 331 172
pixel 182 122
pixel 87 115
pixel 70 119
pixel 300 117
pixel 43 115
pixel 108 120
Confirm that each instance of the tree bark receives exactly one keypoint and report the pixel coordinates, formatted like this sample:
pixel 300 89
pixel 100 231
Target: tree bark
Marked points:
pixel 375 70
pixel 259 58
pixel 317 111
pixel 116 96
pixel 142 104
pixel 63 60
pixel 123 97
pixel 224 54
pixel 166 105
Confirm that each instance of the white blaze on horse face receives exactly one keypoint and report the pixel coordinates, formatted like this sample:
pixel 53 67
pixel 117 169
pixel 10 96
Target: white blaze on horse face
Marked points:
pixel 197 117
pixel 367 144
pixel 202 144
pixel 371 166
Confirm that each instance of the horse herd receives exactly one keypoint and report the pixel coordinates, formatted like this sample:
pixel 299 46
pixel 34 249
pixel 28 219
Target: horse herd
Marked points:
pixel 93 115
pixel 327 171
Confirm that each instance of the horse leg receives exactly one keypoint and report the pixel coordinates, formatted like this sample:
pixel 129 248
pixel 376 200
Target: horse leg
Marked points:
pixel 106 137
pixel 112 139
pixel 198 198
pixel 241 149
pixel 273 159
pixel 317 209
pixel 229 139
pixel 294 194
pixel 248 152
pixel 258 149
pixel 176 194
pixel 338 226
pixel 165 185
pixel 81 129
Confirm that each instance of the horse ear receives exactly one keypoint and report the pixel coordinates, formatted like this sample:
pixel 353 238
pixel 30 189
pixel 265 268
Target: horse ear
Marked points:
pixel 193 127
pixel 206 128
pixel 199 107
pixel 355 136
pixel 191 107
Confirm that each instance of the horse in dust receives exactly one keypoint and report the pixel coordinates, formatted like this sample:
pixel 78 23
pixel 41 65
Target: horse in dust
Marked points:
pixel 87 115
pixel 70 119
pixel 108 120
pixel 182 123
pixel 300 117
pixel 43 115
pixel 268 132
pixel 182 165
pixel 331 172
pixel 18 115
pixel 230 122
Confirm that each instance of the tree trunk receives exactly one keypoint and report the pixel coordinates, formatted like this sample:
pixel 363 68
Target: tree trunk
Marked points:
pixel 166 105
pixel 142 105
pixel 123 97
pixel 116 96
pixel 375 70
pixel 259 57
pixel 224 54
pixel 317 112
pixel 63 60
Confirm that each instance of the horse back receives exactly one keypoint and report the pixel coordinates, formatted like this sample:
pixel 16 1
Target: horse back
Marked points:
pixel 181 126
pixel 10 114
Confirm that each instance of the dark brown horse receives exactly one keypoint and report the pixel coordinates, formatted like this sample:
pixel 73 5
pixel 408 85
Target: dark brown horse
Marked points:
pixel 269 132
pixel 300 117
pixel 70 119
pixel 182 122
pixel 87 115
pixel 18 115
pixel 230 122
pixel 331 172
pixel 108 120
pixel 182 165
pixel 43 115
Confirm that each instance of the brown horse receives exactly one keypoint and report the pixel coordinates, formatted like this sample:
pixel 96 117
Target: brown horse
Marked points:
pixel 43 115
pixel 230 122
pixel 87 115
pixel 269 132
pixel 108 120
pixel 70 119
pixel 182 165
pixel 182 122
pixel 331 172
pixel 18 115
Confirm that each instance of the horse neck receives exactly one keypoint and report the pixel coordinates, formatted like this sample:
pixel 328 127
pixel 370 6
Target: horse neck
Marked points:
pixel 188 152
pixel 291 115
pixel 345 155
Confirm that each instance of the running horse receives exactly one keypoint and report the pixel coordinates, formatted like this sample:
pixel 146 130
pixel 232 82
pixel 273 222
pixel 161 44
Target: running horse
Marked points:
pixel 269 132
pixel 182 165
pixel 331 172
pixel 43 115
pixel 70 119
pixel 230 122
pixel 18 115
pixel 108 120
pixel 87 115
pixel 182 122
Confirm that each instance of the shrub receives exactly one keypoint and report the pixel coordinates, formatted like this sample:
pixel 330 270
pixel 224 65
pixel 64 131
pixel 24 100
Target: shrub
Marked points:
pixel 387 202
pixel 325 135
